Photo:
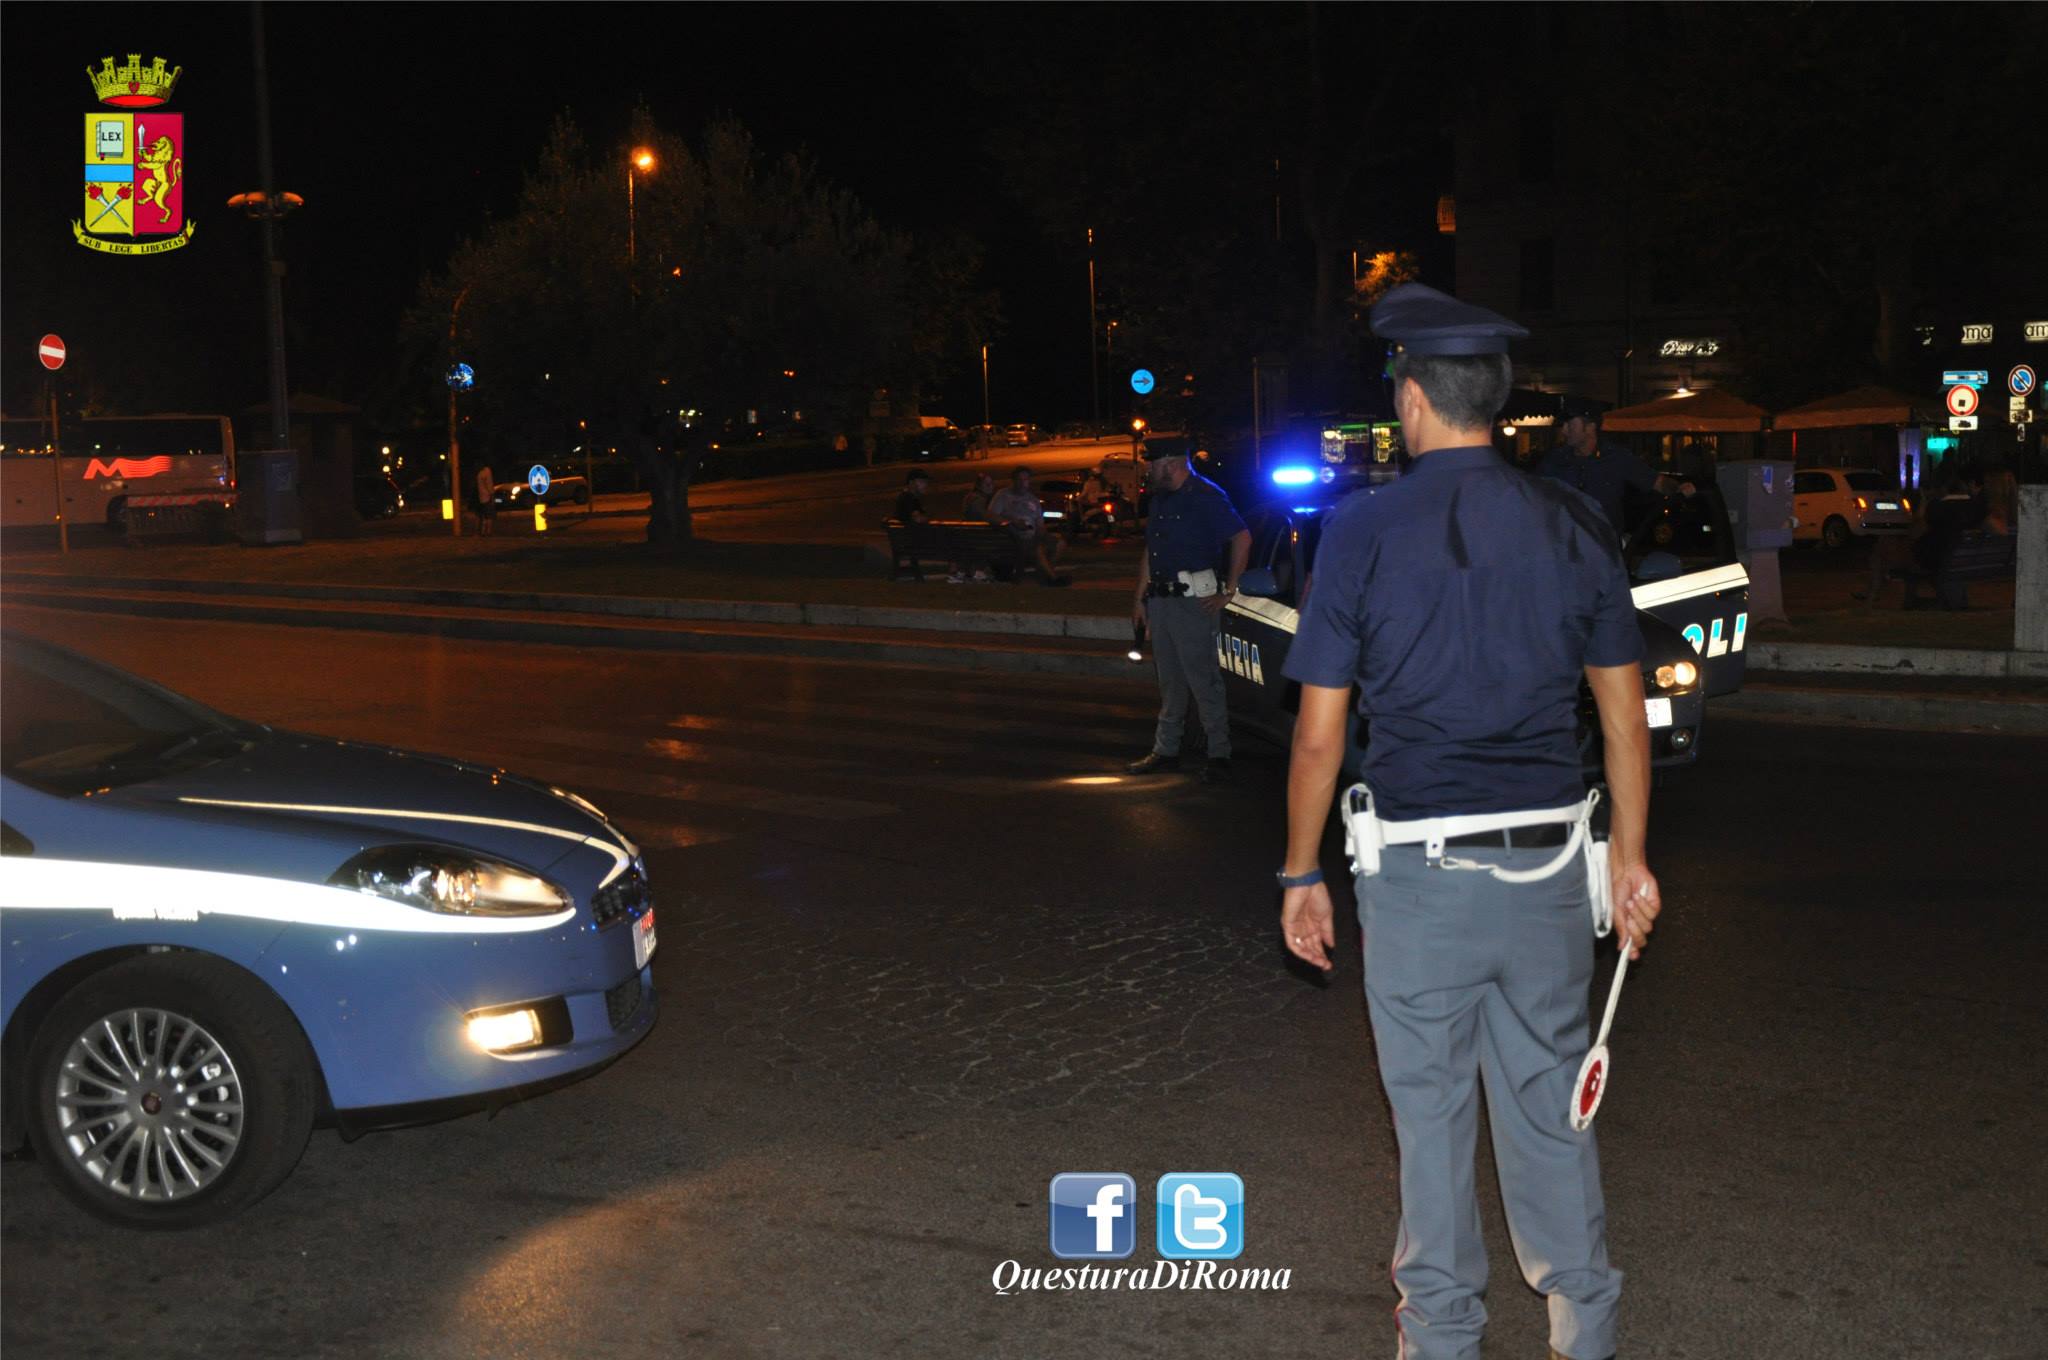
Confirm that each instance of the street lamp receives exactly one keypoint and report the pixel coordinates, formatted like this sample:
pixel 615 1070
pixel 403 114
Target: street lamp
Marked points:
pixel 641 160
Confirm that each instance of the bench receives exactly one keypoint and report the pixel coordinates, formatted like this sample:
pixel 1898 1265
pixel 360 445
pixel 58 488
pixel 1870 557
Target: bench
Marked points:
pixel 944 543
pixel 1977 555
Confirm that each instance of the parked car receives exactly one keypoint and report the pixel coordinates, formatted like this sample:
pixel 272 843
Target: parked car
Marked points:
pixel 1018 436
pixel 571 490
pixel 1069 512
pixel 1838 505
pixel 214 934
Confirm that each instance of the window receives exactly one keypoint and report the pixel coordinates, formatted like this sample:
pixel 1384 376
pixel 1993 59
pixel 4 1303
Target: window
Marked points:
pixel 1868 481
pixel 1538 278
pixel 1812 484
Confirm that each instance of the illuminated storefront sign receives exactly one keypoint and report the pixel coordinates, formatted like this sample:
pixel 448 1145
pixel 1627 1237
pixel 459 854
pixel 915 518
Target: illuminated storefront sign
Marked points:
pixel 1976 335
pixel 1689 349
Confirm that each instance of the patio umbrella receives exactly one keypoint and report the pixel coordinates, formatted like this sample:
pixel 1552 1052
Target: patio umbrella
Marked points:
pixel 1708 412
pixel 1858 406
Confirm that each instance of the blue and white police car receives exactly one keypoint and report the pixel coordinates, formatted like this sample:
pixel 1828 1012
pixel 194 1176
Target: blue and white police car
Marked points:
pixel 214 934
pixel 1690 594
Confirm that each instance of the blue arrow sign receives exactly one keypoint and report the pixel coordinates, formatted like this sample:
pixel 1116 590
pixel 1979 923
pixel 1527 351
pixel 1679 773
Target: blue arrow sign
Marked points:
pixel 1141 381
pixel 1969 377
pixel 537 480
pixel 2020 380
pixel 461 377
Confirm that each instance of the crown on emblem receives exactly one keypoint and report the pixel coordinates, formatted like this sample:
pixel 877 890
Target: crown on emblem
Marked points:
pixel 134 85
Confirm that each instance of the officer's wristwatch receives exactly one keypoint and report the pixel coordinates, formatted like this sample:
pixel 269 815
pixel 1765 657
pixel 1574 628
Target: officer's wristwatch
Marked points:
pixel 1307 880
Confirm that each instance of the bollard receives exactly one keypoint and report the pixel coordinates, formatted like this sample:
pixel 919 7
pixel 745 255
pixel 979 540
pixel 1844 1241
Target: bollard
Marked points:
pixel 447 508
pixel 2030 580
pixel 540 517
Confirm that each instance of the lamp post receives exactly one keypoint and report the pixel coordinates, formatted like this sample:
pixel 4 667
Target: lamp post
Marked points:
pixel 454 436
pixel 987 425
pixel 641 160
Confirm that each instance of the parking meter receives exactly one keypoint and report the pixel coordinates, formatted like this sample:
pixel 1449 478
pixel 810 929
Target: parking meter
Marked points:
pixel 1758 494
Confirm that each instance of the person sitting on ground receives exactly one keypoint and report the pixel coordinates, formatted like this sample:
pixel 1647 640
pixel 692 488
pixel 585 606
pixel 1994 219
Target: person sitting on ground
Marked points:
pixel 1016 508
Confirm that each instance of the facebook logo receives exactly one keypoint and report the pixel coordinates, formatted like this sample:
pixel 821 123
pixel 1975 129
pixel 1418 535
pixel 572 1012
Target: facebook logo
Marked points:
pixel 1094 1215
pixel 1201 1215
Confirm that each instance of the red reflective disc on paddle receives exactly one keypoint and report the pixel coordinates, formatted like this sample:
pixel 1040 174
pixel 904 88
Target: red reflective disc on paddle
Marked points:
pixel 1591 1087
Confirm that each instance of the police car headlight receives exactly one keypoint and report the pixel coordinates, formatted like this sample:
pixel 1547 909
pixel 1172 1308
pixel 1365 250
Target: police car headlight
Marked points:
pixel 1677 675
pixel 450 881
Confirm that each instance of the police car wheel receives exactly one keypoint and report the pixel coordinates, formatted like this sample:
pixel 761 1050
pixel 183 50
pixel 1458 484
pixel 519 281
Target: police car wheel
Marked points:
pixel 170 1090
pixel 1835 533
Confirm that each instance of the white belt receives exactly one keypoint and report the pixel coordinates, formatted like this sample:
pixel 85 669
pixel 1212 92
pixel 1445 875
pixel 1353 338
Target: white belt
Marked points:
pixel 1366 833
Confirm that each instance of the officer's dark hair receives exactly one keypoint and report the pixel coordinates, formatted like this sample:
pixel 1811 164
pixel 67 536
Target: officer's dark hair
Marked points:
pixel 1466 390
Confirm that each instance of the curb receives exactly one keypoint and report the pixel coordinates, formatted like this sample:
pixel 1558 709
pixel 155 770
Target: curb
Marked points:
pixel 1934 662
pixel 1892 712
pixel 1088 627
pixel 485 628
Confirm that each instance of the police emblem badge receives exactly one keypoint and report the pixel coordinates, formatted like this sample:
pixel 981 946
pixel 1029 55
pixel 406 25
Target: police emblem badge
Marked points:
pixel 134 162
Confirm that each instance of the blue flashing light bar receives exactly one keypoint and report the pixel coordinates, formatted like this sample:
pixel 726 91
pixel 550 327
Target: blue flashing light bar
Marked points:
pixel 1293 476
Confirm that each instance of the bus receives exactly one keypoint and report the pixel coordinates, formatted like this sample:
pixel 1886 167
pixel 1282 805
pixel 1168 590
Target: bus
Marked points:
pixel 113 466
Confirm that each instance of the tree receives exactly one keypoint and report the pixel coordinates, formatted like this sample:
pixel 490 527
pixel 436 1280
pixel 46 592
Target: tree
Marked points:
pixel 752 285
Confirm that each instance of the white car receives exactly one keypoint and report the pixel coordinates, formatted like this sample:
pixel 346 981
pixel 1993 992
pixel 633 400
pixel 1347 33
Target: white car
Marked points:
pixel 1836 505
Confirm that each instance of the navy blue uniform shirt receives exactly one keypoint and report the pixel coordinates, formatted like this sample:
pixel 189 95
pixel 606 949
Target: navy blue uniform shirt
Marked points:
pixel 1465 601
pixel 1186 529
pixel 1602 476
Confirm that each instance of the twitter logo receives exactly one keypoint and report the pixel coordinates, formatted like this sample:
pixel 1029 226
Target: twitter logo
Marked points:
pixel 1201 1215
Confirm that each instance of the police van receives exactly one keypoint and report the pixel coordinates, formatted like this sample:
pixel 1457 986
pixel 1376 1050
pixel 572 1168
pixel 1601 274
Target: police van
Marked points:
pixel 1691 597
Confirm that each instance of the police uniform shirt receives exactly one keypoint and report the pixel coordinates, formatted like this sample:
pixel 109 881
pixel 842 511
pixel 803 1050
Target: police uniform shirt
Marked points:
pixel 1186 529
pixel 1603 476
pixel 1464 601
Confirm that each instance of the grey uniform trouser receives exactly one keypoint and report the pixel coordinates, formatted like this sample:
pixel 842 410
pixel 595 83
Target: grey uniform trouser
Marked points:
pixel 1184 648
pixel 1472 981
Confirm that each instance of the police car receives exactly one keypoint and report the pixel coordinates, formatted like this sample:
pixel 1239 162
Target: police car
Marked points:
pixel 216 934
pixel 1690 594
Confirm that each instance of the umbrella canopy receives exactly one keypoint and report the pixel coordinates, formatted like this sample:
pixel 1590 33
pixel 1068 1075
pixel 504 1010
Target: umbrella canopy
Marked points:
pixel 1858 406
pixel 1710 412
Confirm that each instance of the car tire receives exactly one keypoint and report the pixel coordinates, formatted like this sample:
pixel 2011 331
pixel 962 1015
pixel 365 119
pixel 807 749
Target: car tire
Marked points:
pixel 1835 533
pixel 155 1013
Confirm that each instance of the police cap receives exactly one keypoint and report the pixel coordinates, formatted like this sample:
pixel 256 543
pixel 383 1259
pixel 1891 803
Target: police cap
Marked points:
pixel 1424 321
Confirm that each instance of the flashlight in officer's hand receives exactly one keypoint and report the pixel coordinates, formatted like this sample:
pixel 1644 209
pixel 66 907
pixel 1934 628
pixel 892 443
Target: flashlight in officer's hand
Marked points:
pixel 1137 652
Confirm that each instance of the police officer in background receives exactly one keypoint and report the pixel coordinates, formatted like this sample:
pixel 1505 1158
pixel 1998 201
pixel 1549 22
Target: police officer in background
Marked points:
pixel 1180 600
pixel 1606 472
pixel 1465 603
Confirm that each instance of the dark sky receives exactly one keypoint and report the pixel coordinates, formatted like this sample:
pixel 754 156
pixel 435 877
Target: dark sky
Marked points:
pixel 406 127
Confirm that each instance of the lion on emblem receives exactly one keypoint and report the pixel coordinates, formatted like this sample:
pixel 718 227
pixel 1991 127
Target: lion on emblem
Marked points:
pixel 154 162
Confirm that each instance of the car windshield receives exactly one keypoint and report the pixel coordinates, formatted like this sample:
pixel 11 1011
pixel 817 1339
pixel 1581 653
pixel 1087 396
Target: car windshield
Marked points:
pixel 1868 481
pixel 69 724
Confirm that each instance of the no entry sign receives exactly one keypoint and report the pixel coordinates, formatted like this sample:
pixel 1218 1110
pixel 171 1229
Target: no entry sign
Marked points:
pixel 1962 400
pixel 50 349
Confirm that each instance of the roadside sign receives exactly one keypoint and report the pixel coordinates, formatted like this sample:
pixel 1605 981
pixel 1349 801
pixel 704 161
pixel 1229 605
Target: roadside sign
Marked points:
pixel 1977 334
pixel 537 480
pixel 50 349
pixel 2020 381
pixel 2018 412
pixel 1962 422
pixel 1962 400
pixel 461 378
pixel 1974 377
pixel 2037 331
pixel 1141 381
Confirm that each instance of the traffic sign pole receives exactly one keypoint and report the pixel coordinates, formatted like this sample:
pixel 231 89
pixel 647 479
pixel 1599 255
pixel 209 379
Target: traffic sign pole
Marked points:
pixel 50 350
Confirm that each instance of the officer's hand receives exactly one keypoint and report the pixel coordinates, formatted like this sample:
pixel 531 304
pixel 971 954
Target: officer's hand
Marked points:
pixel 1138 613
pixel 1636 904
pixel 1308 924
pixel 1213 604
pixel 1687 489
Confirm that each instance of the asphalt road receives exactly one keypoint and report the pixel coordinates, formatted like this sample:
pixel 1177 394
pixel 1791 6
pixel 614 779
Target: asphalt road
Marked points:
pixel 922 949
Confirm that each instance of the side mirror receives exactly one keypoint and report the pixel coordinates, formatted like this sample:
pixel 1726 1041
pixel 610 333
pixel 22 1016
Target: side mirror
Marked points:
pixel 1258 581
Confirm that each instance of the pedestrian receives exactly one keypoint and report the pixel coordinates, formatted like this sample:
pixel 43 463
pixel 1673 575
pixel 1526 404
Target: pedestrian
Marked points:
pixel 1016 508
pixel 1464 603
pixel 1606 472
pixel 1193 528
pixel 486 502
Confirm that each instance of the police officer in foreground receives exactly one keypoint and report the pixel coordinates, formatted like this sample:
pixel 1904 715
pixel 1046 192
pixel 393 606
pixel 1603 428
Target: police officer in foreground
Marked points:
pixel 1464 603
pixel 1191 528
pixel 1606 472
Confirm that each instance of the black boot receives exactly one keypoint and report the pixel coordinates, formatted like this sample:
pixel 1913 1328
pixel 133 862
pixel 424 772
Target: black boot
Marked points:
pixel 1153 764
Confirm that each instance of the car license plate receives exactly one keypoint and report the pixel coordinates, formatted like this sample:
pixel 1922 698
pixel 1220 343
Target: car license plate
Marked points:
pixel 1887 505
pixel 1658 711
pixel 643 929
